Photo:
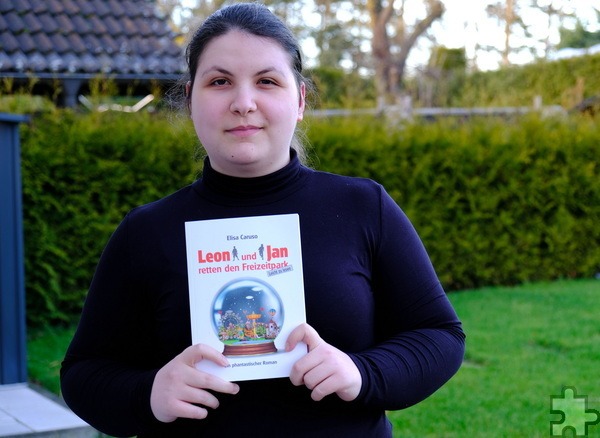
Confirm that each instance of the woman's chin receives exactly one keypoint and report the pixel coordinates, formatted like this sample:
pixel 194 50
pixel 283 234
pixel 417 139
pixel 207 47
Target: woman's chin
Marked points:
pixel 249 162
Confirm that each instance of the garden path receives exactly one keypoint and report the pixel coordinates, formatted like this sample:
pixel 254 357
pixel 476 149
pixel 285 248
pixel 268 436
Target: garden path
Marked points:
pixel 26 412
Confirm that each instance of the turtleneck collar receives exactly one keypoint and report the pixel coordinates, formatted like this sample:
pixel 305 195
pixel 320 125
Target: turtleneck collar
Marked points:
pixel 230 190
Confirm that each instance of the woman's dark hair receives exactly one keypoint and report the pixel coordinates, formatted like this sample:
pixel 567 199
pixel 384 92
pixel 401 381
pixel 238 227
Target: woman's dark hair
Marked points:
pixel 255 19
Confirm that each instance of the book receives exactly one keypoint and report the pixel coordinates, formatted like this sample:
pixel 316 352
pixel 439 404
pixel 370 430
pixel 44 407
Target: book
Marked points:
pixel 246 291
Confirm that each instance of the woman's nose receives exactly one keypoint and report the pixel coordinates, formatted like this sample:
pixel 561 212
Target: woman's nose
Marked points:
pixel 243 102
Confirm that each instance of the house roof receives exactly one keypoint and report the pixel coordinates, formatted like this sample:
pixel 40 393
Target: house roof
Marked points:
pixel 62 38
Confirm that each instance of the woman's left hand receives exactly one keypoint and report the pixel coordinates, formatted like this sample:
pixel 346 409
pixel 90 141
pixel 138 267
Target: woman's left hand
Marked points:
pixel 325 369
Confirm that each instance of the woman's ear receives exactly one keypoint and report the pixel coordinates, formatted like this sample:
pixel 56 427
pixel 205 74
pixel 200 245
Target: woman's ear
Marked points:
pixel 188 95
pixel 302 104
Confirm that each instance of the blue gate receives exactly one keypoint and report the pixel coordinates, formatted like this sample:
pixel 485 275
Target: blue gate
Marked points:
pixel 13 357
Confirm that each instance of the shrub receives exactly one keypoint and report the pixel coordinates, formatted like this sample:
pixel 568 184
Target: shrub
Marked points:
pixel 495 202
pixel 81 174
pixel 564 82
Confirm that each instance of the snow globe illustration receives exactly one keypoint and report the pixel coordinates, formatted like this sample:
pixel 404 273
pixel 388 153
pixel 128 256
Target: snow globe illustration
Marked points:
pixel 247 316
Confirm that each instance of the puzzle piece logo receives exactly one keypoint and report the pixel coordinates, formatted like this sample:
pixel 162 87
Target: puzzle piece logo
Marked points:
pixel 574 413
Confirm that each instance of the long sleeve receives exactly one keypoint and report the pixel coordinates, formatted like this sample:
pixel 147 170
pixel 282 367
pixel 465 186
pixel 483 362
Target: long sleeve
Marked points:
pixel 422 340
pixel 102 377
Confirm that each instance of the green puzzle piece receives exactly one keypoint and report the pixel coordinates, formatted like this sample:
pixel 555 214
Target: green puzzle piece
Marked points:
pixel 574 413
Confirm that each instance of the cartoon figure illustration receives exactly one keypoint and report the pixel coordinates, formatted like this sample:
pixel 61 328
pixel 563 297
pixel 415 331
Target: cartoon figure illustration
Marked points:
pixel 248 332
pixel 272 330
pixel 261 251
pixel 234 253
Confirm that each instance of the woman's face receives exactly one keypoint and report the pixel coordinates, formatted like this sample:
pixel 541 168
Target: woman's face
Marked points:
pixel 245 104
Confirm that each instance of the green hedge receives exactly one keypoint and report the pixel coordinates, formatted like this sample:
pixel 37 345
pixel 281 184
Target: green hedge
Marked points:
pixel 81 174
pixel 495 202
pixel 564 82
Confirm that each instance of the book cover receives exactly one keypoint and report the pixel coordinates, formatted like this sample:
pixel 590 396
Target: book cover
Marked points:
pixel 246 292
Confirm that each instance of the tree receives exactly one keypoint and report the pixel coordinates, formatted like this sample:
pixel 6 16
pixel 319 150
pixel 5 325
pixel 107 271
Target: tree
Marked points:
pixel 555 14
pixel 578 38
pixel 382 23
pixel 507 12
pixel 338 42
pixel 391 41
pixel 443 77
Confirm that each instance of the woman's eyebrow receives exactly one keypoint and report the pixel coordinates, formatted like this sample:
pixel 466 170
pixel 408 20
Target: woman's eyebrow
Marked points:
pixel 268 70
pixel 227 72
pixel 216 69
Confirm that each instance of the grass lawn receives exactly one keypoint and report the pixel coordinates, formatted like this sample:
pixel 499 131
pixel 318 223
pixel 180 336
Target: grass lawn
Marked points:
pixel 524 344
pixel 45 351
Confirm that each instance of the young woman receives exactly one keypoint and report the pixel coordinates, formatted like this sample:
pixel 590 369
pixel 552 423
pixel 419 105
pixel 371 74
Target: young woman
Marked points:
pixel 380 333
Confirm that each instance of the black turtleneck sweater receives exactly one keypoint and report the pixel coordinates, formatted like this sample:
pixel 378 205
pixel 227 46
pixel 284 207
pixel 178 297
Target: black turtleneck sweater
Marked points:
pixel 370 291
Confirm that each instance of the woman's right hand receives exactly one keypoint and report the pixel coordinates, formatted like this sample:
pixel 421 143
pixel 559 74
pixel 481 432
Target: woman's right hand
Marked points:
pixel 179 387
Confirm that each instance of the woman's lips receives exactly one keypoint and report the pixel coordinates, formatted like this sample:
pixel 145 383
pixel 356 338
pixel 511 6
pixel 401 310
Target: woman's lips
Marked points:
pixel 244 131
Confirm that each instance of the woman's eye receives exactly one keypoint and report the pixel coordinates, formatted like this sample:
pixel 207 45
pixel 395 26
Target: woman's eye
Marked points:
pixel 266 82
pixel 219 82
